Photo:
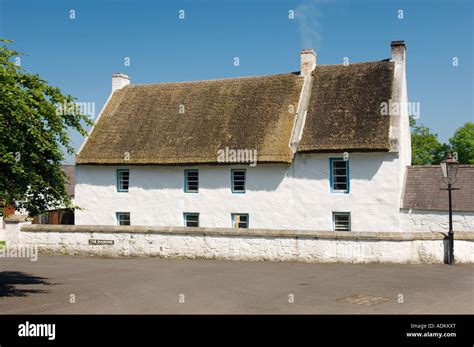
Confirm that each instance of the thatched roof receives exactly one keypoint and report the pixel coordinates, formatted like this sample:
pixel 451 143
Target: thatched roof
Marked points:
pixel 240 113
pixel 142 124
pixel 423 189
pixel 344 108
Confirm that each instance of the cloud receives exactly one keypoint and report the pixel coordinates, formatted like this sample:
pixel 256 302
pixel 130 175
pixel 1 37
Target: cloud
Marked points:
pixel 308 15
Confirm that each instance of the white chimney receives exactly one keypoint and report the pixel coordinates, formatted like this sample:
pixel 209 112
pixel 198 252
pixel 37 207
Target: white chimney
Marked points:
pixel 308 61
pixel 119 80
pixel 398 51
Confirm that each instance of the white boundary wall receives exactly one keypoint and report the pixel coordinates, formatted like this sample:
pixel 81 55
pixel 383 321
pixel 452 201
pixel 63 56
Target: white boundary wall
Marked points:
pixel 254 245
pixel 435 221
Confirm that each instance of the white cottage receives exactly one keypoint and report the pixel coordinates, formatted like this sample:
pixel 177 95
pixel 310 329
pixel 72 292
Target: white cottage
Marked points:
pixel 325 148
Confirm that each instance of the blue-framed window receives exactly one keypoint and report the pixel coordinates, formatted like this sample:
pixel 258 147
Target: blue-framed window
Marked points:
pixel 191 181
pixel 240 220
pixel 191 219
pixel 238 180
pixel 123 218
pixel 339 175
pixel 341 221
pixel 123 180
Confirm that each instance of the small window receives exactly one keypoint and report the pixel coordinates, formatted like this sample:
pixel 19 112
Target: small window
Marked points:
pixel 240 220
pixel 123 218
pixel 123 180
pixel 191 181
pixel 339 175
pixel 191 219
pixel 342 221
pixel 238 181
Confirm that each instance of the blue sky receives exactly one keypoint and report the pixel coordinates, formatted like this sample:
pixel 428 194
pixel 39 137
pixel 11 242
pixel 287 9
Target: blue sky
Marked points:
pixel 79 55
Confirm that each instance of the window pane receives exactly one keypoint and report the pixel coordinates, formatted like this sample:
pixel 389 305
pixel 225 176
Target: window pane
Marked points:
pixel 192 186
pixel 192 219
pixel 342 222
pixel 192 181
pixel 340 177
pixel 123 178
pixel 238 179
pixel 123 218
pixel 241 221
pixel 239 186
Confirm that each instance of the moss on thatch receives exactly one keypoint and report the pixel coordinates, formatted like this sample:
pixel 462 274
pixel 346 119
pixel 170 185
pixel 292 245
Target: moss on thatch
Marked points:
pixel 146 122
pixel 344 108
pixel 189 122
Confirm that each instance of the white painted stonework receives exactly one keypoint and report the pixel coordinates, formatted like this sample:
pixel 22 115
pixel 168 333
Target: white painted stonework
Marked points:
pixel 296 196
pixel 313 247
pixel 433 221
pixel 279 196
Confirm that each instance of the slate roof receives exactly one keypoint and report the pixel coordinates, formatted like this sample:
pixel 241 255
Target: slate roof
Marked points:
pixel 422 189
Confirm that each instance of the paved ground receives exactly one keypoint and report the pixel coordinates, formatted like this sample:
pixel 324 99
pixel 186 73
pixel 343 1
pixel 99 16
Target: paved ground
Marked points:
pixel 152 285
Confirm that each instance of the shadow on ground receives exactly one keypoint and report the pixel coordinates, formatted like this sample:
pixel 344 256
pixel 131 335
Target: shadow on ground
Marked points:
pixel 10 280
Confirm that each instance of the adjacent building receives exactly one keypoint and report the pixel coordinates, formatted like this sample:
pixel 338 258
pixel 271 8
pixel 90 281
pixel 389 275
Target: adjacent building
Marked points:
pixel 59 214
pixel 425 200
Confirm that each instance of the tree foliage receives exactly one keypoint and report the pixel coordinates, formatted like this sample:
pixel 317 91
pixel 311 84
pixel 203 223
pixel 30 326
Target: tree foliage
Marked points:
pixel 32 137
pixel 427 150
pixel 425 147
pixel 463 143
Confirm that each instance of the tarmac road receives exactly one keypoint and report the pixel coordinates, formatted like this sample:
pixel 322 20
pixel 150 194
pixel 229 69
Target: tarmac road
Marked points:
pixel 71 284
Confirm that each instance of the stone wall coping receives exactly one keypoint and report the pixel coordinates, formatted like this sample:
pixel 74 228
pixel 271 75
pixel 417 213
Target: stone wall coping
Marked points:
pixel 337 235
pixel 16 218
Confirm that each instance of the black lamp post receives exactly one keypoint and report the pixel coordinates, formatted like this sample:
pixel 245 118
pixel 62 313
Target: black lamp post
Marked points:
pixel 449 168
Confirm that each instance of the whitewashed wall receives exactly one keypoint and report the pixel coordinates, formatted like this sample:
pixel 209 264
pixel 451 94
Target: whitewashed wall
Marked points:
pixel 253 245
pixel 294 197
pixel 432 221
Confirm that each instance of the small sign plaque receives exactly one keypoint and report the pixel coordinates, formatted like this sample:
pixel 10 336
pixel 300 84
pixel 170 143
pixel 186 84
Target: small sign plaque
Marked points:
pixel 100 242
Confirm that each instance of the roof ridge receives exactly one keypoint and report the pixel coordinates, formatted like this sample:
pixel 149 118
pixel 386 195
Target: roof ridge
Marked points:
pixel 357 63
pixel 212 80
pixel 251 77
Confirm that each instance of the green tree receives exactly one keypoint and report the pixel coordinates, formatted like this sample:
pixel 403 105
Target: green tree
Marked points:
pixel 462 143
pixel 425 147
pixel 442 154
pixel 32 135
